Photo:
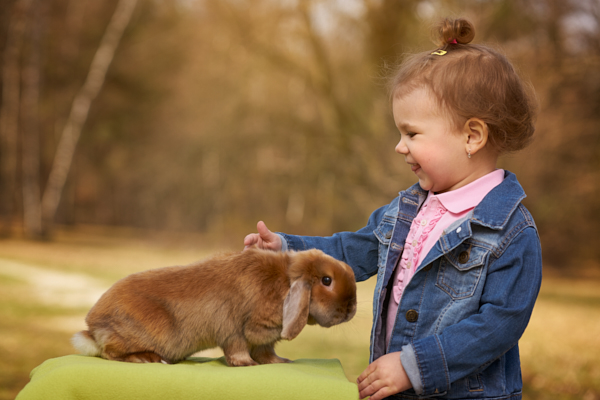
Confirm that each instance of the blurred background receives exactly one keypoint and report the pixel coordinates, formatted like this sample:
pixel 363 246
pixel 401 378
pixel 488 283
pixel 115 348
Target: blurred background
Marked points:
pixel 190 120
pixel 215 114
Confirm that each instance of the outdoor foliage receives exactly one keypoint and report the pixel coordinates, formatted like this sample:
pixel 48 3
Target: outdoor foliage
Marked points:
pixel 215 114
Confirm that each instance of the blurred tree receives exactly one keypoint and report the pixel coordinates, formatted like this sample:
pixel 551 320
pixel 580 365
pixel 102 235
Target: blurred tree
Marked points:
pixel 80 108
pixel 30 142
pixel 391 27
pixel 9 112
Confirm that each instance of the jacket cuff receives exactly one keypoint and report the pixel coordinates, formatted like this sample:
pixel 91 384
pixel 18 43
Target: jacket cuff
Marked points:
pixel 409 363
pixel 284 244
pixel 292 242
pixel 431 364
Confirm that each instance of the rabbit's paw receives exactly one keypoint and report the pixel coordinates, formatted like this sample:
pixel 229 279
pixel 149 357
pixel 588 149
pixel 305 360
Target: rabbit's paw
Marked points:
pixel 239 359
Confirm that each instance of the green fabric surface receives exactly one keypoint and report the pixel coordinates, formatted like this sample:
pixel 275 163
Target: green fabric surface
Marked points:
pixel 80 377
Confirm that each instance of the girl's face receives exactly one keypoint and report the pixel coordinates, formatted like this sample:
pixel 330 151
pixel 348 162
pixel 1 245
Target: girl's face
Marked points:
pixel 431 144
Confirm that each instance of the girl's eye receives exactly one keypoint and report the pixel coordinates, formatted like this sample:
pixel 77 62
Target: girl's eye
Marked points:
pixel 411 134
pixel 326 281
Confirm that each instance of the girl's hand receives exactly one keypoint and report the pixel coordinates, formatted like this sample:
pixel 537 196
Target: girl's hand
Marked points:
pixel 384 377
pixel 264 239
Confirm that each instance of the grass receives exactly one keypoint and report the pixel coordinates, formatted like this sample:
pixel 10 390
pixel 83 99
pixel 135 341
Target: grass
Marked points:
pixel 47 287
pixel 560 351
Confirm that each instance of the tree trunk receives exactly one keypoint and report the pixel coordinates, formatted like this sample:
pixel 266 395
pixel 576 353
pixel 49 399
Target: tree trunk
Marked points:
pixel 30 153
pixel 9 113
pixel 80 108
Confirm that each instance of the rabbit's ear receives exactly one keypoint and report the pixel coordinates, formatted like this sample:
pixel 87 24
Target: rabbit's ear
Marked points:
pixel 295 309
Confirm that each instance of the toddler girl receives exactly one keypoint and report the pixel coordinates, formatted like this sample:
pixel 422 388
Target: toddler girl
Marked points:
pixel 457 256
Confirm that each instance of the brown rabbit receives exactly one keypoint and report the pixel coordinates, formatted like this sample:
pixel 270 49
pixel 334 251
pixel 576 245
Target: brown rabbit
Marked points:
pixel 242 302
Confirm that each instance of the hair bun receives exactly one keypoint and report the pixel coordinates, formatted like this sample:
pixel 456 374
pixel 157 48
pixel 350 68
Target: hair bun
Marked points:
pixel 449 30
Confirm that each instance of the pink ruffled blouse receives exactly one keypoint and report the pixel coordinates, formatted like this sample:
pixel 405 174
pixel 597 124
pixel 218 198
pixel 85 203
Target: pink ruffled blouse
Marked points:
pixel 437 213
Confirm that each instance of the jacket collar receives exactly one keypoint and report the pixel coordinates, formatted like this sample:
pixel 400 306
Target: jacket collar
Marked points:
pixel 496 207
pixel 501 202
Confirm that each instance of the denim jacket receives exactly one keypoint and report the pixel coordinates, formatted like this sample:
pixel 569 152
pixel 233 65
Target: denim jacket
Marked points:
pixel 462 314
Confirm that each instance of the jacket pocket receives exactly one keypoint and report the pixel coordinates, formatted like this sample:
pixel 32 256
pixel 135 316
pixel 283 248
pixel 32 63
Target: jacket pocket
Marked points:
pixel 460 271
pixel 383 233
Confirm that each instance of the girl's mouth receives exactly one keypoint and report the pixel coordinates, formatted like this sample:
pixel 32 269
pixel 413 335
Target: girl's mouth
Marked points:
pixel 414 167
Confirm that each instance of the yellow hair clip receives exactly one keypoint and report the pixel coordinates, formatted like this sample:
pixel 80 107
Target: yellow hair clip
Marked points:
pixel 439 52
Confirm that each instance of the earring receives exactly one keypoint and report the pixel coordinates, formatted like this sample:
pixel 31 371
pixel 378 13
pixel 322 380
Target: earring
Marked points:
pixel 469 153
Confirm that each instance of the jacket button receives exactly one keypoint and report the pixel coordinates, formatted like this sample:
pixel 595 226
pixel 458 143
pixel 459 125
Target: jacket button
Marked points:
pixel 463 257
pixel 412 316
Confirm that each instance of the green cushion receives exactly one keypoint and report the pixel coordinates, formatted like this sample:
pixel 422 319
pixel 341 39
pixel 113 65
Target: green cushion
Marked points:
pixel 80 377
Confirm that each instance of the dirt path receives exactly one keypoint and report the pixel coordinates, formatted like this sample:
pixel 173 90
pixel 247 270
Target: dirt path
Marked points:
pixel 55 288
pixel 63 289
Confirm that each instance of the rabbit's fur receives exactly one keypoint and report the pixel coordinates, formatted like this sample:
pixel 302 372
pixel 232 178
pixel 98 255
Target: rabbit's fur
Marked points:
pixel 242 302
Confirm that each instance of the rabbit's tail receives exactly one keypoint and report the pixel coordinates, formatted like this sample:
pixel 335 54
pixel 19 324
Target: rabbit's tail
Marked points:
pixel 85 344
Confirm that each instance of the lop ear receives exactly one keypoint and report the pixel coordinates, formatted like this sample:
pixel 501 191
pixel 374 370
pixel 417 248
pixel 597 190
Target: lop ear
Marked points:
pixel 295 309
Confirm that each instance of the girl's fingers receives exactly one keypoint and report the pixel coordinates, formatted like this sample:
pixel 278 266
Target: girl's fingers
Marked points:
pixel 368 381
pixel 382 393
pixel 365 381
pixel 369 387
pixel 250 240
pixel 264 239
pixel 264 232
pixel 268 240
pixel 368 371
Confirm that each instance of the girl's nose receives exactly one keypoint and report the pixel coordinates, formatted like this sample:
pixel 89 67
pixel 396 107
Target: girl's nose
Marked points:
pixel 401 147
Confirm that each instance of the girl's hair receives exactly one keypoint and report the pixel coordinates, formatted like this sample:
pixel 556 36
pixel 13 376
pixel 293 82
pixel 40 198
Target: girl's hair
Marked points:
pixel 471 81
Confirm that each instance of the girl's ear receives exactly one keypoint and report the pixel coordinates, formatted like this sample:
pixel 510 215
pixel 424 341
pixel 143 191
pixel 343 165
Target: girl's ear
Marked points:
pixel 295 309
pixel 476 134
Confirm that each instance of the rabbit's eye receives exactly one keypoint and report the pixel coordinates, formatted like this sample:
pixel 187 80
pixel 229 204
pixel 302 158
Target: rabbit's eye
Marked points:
pixel 326 280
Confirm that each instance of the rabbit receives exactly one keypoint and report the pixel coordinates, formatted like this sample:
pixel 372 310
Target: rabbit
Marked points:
pixel 242 302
